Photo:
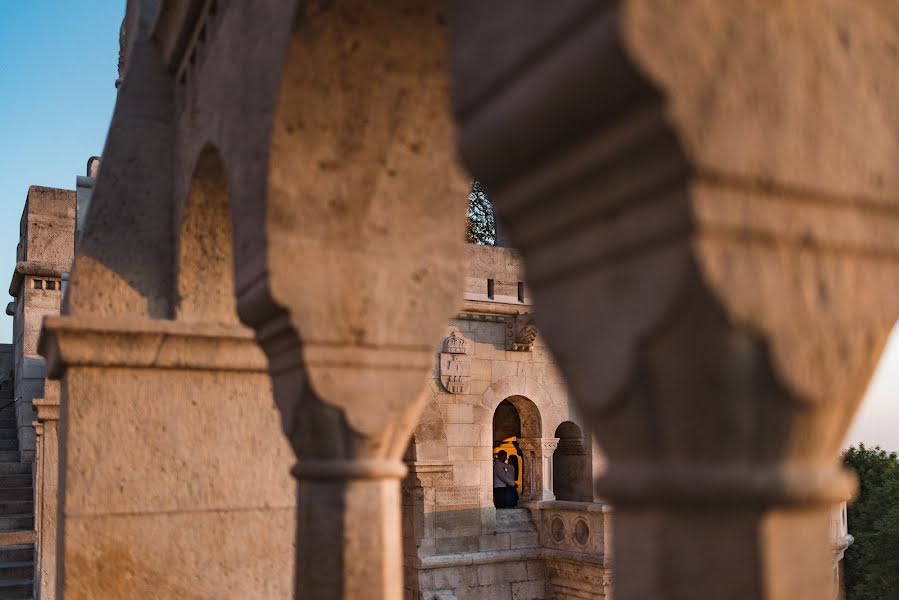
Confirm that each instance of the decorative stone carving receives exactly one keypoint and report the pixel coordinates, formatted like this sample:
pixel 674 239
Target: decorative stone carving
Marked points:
pixel 538 468
pixel 455 365
pixel 521 331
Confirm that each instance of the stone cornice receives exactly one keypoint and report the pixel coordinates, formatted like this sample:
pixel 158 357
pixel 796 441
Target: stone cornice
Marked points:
pixel 463 559
pixel 146 343
pixel 46 409
pixel 568 505
pixel 429 467
pixel 36 268
pixel 483 308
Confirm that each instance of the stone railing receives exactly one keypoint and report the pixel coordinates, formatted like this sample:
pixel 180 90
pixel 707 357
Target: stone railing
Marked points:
pixel 576 542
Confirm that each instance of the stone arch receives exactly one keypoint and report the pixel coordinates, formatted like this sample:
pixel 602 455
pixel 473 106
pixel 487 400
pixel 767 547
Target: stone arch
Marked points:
pixel 205 267
pixel 529 420
pixel 360 172
pixel 530 400
pixel 572 479
pixel 523 388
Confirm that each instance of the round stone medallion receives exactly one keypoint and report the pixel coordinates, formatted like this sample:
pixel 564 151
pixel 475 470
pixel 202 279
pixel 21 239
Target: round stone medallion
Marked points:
pixel 557 528
pixel 581 532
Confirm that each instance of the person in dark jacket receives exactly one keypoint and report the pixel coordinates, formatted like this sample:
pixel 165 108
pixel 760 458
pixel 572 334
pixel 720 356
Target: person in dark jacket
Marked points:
pixel 502 479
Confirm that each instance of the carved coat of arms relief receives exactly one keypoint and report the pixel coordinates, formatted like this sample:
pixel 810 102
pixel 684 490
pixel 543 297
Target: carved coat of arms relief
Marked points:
pixel 455 365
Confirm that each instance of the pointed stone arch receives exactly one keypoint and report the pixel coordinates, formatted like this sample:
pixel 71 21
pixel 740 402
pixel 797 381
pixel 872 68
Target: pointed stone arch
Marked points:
pixel 205 260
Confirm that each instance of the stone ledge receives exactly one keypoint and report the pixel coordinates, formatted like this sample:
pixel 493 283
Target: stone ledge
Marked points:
pixel 46 409
pixel 462 559
pixel 560 505
pixel 147 343
pixel 16 538
pixel 36 268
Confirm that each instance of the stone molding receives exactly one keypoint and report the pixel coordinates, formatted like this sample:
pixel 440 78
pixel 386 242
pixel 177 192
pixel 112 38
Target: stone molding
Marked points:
pixel 521 330
pixel 462 559
pixel 589 507
pixel 146 343
pixel 429 467
pixel 34 268
pixel 46 410
pixel 515 385
pixel 544 444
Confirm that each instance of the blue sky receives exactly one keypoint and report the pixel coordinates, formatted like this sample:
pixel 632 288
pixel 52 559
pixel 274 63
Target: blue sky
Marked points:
pixel 58 68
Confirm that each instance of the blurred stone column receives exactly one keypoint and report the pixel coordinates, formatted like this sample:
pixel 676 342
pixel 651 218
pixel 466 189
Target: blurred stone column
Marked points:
pixel 353 276
pixel 538 468
pixel 709 231
pixel 46 503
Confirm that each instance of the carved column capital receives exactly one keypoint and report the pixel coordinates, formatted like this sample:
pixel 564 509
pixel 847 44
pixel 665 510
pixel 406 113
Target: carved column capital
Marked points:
pixel 538 468
pixel 711 246
pixel 47 409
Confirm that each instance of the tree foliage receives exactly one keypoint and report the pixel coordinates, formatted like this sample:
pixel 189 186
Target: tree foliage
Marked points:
pixel 872 561
pixel 481 226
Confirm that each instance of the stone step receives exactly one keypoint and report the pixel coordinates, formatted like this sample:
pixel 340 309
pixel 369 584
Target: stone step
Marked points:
pixel 16 507
pixel 9 456
pixel 16 538
pixel 16 522
pixel 16 493
pixel 15 468
pixel 17 553
pixel 11 444
pixel 16 588
pixel 17 480
pixel 514 519
pixel 16 570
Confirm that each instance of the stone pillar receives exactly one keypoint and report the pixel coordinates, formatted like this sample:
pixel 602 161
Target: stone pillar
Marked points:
pixel 176 475
pixel 538 468
pixel 351 280
pixel 708 231
pixel 38 453
pixel 47 490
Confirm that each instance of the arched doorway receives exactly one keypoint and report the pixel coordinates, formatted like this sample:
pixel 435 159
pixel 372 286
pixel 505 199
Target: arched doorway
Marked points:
pixel 571 465
pixel 516 426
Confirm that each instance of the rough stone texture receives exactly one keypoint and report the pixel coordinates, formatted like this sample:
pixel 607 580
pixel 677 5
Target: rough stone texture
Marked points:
pixel 707 220
pixel 46 489
pixel 711 247
pixel 45 251
pixel 450 518
pixel 361 93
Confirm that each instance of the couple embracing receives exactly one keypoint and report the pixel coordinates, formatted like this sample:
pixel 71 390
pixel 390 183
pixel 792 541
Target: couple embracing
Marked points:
pixel 505 495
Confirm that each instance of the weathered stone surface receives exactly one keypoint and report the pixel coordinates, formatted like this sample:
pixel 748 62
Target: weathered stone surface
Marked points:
pixel 708 193
pixel 711 256
pixel 156 554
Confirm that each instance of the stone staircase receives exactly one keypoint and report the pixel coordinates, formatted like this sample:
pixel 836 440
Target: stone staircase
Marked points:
pixel 517 522
pixel 16 515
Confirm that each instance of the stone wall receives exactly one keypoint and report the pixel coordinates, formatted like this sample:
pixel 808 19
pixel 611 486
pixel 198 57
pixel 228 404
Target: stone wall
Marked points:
pixel 457 544
pixel 45 251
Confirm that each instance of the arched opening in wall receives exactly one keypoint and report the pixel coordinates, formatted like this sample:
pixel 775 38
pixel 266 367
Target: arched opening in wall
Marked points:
pixel 572 479
pixel 516 418
pixel 205 256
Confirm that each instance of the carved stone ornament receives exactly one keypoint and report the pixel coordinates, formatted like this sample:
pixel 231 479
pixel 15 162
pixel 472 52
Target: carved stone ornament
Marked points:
pixel 521 331
pixel 455 365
